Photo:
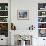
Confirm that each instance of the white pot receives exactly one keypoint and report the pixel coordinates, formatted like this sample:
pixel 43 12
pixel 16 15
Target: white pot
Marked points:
pixel 22 43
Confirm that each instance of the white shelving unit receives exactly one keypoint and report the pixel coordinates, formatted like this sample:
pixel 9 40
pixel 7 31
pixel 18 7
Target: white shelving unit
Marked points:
pixel 4 23
pixel 42 18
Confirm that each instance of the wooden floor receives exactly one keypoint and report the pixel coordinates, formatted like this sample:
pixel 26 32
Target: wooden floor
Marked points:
pixel 3 45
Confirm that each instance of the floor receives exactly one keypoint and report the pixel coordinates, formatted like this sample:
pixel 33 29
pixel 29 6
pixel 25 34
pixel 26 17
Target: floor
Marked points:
pixel 3 45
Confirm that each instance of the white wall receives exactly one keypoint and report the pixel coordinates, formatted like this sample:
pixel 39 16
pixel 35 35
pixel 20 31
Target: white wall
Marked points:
pixel 32 6
pixel 27 5
pixel 3 1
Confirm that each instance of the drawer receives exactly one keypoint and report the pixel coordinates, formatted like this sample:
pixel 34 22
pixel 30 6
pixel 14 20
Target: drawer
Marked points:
pixel 3 41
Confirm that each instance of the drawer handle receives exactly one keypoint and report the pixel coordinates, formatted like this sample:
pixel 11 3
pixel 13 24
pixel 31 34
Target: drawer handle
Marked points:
pixel 43 39
pixel 1 39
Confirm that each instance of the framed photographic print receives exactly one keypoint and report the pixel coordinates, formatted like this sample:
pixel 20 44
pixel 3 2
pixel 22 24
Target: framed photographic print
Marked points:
pixel 22 14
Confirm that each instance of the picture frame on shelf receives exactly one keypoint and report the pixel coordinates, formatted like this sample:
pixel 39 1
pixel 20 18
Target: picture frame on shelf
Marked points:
pixel 23 14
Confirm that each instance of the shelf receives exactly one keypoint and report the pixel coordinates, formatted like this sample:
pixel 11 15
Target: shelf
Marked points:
pixel 41 22
pixel 3 22
pixel 3 10
pixel 3 16
pixel 41 28
pixel 41 10
pixel 42 16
